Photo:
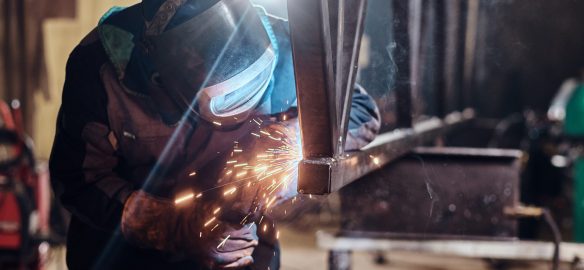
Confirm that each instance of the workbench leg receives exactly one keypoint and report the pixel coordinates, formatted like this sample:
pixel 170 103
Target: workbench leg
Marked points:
pixel 339 260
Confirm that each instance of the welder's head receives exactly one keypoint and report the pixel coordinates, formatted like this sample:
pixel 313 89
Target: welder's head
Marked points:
pixel 214 59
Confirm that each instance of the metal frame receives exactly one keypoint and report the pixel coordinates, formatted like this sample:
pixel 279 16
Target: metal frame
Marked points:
pixel 325 37
pixel 340 248
pixel 325 175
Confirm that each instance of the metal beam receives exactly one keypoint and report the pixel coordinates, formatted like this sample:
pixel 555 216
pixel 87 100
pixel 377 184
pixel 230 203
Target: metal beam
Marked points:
pixel 506 250
pixel 325 37
pixel 350 30
pixel 313 68
pixel 405 36
pixel 326 175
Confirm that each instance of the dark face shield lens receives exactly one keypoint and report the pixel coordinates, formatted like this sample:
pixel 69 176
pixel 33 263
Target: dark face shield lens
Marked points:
pixel 209 49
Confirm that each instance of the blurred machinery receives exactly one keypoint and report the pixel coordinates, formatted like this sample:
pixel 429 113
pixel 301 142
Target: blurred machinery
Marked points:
pixel 25 197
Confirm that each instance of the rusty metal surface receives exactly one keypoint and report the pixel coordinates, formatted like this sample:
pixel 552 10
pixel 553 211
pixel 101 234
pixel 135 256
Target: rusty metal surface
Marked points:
pixel 326 175
pixel 404 13
pixel 325 38
pixel 350 30
pixel 313 69
pixel 436 193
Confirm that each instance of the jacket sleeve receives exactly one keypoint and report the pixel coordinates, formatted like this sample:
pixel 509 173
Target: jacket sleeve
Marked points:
pixel 364 121
pixel 83 159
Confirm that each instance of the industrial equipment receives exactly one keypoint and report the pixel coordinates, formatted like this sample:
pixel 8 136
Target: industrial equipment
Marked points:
pixel 24 197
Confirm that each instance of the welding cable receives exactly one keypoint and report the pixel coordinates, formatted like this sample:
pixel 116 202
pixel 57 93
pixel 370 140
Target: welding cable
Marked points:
pixel 544 213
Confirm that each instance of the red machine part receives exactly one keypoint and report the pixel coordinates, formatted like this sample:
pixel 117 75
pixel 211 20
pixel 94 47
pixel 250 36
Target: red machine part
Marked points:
pixel 9 222
pixel 24 194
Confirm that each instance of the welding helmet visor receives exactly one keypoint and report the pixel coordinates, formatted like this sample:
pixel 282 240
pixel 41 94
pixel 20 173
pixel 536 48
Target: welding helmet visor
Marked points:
pixel 217 65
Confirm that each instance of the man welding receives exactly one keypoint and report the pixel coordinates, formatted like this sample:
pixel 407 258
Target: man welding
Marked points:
pixel 153 97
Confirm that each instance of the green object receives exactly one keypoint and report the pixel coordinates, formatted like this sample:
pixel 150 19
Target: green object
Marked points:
pixel 574 123
pixel 574 128
pixel 579 200
pixel 117 42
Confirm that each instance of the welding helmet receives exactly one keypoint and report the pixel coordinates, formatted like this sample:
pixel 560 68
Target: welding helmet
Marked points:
pixel 216 65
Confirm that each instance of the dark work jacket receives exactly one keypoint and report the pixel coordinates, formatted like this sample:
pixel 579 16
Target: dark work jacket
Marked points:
pixel 107 141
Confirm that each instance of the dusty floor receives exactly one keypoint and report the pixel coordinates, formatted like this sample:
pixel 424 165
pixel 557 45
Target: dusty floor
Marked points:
pixel 299 252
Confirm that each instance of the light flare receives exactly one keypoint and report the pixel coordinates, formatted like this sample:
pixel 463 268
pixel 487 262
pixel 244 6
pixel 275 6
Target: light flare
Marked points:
pixel 223 242
pixel 230 191
pixel 184 198
pixel 209 222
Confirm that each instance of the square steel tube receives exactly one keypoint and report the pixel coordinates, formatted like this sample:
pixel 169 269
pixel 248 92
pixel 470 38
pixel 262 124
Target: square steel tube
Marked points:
pixel 326 175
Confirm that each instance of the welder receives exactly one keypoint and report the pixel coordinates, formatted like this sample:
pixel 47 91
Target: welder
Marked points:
pixel 153 97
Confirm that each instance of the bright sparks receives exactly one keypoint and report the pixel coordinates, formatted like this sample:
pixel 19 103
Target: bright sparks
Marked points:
pixel 375 160
pixel 223 242
pixel 209 222
pixel 230 191
pixel 184 198
pixel 270 167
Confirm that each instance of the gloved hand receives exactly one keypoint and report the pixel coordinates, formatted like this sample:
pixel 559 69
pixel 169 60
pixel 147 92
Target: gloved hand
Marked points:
pixel 157 223
pixel 236 244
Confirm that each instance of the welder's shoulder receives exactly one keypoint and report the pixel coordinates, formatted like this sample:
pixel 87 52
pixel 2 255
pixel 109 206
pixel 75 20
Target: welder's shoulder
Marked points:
pixel 86 59
pixel 83 86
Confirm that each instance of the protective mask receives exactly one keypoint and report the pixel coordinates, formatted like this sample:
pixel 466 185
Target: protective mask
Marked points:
pixel 217 65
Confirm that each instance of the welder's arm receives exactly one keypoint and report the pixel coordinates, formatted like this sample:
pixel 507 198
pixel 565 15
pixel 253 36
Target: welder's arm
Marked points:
pixel 364 120
pixel 83 168
pixel 83 158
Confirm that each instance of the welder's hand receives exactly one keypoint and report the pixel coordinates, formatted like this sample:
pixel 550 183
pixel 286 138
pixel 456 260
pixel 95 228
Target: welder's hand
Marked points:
pixel 233 246
pixel 156 223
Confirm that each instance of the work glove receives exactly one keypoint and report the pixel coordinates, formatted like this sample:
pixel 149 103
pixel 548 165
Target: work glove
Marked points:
pixel 190 230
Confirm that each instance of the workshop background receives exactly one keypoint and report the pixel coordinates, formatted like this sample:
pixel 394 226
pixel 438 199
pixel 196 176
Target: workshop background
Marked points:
pixel 522 52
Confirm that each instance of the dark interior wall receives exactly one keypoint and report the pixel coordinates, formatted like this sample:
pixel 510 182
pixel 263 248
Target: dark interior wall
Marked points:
pixel 525 49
